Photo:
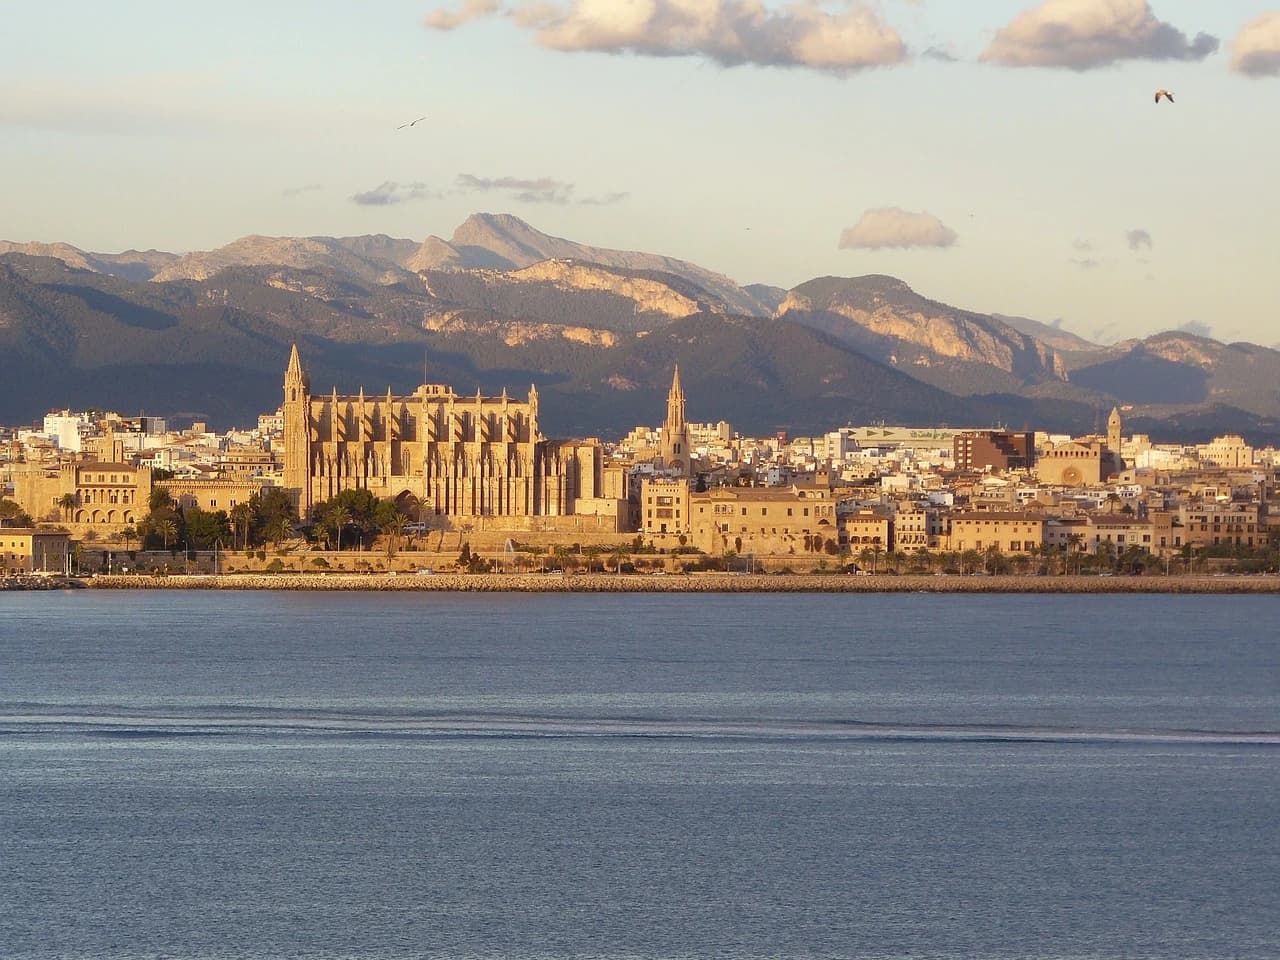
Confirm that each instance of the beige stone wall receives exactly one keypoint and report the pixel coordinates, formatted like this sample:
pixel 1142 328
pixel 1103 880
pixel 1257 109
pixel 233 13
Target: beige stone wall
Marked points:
pixel 211 495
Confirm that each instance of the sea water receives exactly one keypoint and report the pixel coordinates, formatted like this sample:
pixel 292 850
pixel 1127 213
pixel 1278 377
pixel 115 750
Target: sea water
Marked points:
pixel 227 775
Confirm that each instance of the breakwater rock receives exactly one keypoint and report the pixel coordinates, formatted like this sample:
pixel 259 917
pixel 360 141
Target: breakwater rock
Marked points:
pixel 694 583
pixel 40 582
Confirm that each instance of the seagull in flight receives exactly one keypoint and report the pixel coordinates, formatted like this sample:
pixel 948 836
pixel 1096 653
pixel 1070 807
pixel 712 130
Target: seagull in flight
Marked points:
pixel 412 122
pixel 1164 93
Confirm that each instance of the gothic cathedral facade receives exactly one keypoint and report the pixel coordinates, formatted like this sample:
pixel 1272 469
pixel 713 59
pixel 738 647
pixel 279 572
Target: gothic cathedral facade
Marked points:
pixel 457 457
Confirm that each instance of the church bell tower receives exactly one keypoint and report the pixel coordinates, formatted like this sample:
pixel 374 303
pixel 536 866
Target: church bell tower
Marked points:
pixel 297 432
pixel 675 431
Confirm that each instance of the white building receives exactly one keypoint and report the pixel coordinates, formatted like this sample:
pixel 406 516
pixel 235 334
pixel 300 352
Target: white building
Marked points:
pixel 66 429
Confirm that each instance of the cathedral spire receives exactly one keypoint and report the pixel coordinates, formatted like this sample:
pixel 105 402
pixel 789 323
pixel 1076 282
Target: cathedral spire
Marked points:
pixel 296 380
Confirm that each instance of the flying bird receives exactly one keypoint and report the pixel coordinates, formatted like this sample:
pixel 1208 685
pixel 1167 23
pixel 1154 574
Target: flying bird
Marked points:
pixel 1164 93
pixel 412 122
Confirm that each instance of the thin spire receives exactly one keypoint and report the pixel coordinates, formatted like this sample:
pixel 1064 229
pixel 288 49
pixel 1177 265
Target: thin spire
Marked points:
pixel 294 375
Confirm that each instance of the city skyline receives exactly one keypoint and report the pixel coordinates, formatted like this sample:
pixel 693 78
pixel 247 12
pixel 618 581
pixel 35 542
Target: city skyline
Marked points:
pixel 959 151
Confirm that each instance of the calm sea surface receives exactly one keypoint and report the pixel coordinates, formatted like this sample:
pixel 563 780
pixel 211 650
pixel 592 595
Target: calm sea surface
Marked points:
pixel 223 775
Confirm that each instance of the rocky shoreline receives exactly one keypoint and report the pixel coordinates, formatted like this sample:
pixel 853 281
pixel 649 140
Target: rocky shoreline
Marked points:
pixel 40 582
pixel 694 583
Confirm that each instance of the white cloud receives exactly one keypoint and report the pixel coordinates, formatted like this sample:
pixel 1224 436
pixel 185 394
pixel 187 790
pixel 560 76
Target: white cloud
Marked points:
pixel 1256 48
pixel 535 190
pixel 804 33
pixel 1138 239
pixel 389 193
pixel 1082 34
pixel 470 10
pixel 891 227
pixel 539 190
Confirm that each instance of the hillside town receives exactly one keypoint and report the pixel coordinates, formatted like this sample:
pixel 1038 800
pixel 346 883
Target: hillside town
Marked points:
pixel 434 479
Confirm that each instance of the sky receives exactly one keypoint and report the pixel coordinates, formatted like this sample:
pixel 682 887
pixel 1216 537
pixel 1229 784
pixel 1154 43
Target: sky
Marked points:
pixel 1003 156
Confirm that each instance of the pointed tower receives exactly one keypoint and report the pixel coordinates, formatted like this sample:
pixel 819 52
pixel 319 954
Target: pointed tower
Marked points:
pixel 675 431
pixel 1113 431
pixel 1114 442
pixel 297 432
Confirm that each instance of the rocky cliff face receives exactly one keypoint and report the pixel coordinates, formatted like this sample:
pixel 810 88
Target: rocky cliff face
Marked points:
pixel 514 333
pixel 302 253
pixel 666 295
pixel 520 245
pixel 889 319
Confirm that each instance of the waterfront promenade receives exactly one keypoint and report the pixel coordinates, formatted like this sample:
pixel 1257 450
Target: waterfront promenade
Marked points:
pixel 694 583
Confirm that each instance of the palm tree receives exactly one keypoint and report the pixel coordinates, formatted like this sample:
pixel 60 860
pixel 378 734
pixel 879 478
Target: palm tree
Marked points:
pixel 335 519
pixel 393 527
pixel 167 530
pixel 281 530
pixel 130 533
pixel 1075 547
pixel 242 520
pixel 68 503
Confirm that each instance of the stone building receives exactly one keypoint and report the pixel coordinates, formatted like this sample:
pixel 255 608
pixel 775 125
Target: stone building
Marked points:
pixel 1008 532
pixel 110 495
pixel 1076 463
pixel 23 550
pixel 1229 452
pixel 457 457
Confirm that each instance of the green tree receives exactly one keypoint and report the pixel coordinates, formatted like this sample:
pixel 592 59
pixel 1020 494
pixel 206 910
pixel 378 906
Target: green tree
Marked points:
pixel 242 517
pixel 12 515
pixel 159 499
pixel 205 527
pixel 68 504
pixel 281 529
pixel 270 509
pixel 335 517
pixel 163 524
pixel 166 529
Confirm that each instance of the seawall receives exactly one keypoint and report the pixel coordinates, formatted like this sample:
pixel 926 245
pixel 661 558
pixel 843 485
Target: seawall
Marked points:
pixel 694 583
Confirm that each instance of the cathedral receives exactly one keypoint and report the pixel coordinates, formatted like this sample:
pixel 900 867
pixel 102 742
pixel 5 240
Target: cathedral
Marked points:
pixel 455 456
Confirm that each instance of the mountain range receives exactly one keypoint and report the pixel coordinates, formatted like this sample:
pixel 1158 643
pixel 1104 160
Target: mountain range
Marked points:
pixel 500 304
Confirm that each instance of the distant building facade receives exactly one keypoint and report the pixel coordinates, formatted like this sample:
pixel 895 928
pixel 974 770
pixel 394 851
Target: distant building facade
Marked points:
pixel 98 494
pixel 997 450
pixel 23 550
pixel 457 457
